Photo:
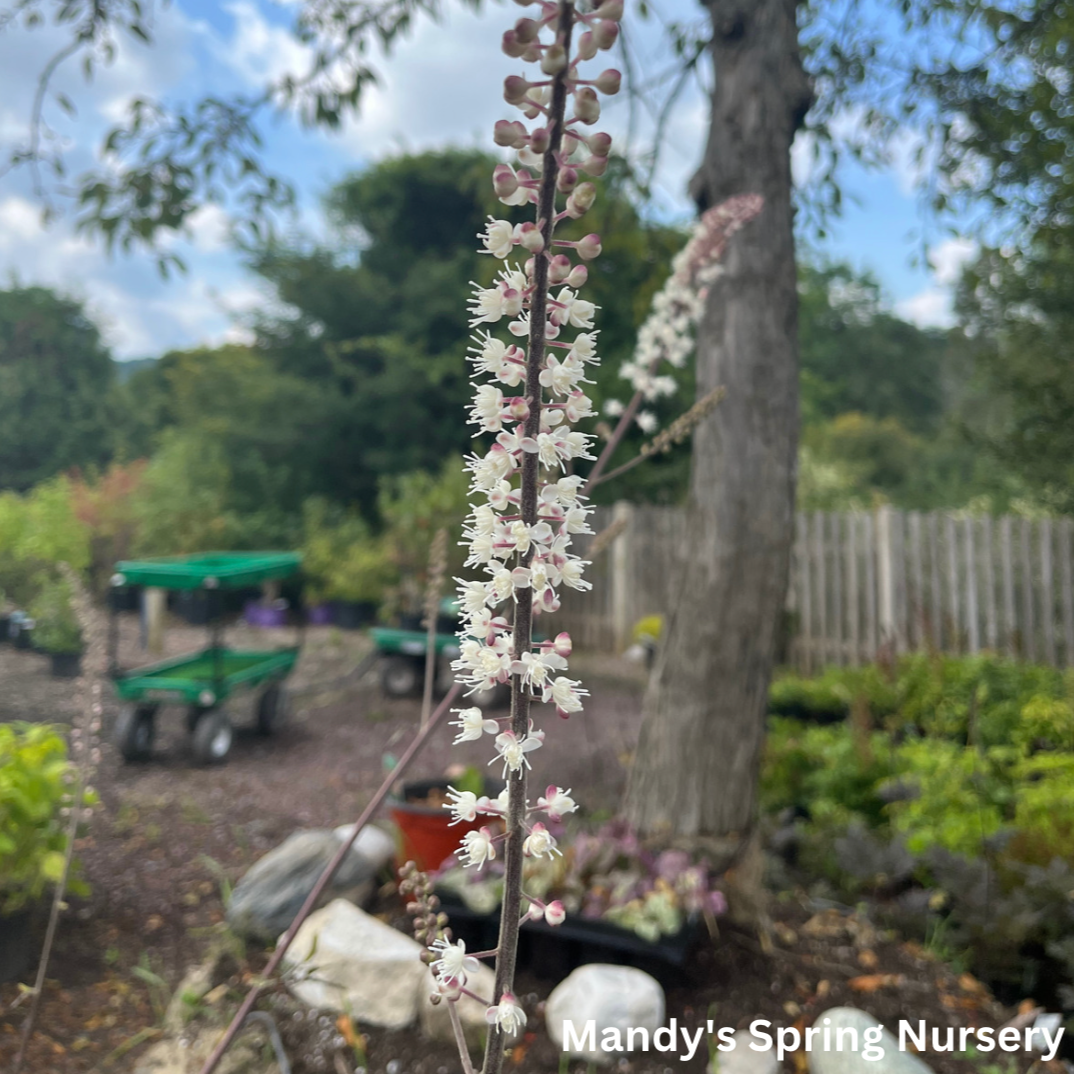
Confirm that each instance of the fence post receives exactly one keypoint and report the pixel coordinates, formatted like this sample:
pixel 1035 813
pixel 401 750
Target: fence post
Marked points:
pixel 885 569
pixel 1066 570
pixel 1047 593
pixel 973 636
pixel 1029 629
pixel 1007 555
pixel 621 567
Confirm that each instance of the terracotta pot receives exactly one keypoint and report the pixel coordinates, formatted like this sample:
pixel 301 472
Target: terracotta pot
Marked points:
pixel 427 836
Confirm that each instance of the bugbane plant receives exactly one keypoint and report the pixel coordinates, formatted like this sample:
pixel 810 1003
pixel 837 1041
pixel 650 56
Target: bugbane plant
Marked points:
pixel 534 341
pixel 667 335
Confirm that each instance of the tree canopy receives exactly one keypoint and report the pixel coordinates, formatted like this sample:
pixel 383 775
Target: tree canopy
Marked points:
pixel 56 379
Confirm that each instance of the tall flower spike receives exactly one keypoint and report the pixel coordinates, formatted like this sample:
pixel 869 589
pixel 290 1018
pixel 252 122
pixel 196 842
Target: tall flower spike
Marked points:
pixel 526 508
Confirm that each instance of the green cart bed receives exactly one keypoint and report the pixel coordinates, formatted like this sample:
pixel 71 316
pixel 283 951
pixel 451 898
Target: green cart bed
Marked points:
pixel 219 672
pixel 201 681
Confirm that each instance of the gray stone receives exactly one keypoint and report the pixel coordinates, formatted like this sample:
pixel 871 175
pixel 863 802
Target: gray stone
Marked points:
pixel 344 959
pixel 266 899
pixel 851 1062
pixel 743 1059
pixel 614 997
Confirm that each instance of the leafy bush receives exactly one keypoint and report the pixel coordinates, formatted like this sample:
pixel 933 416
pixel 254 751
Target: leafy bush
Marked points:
pixel 34 771
pixel 56 628
pixel 948 791
pixel 341 559
pixel 37 532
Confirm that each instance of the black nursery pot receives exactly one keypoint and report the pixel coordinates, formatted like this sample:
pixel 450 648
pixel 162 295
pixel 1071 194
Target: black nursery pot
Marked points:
pixel 353 614
pixel 66 665
pixel 16 946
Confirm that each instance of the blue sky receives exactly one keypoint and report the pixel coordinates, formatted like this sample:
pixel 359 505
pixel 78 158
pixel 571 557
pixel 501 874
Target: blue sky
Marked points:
pixel 441 86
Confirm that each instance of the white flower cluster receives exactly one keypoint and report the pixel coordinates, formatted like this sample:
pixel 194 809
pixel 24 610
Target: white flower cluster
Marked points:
pixel 668 332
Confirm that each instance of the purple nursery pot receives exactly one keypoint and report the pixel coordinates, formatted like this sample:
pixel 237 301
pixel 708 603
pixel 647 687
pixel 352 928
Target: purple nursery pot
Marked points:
pixel 319 615
pixel 257 614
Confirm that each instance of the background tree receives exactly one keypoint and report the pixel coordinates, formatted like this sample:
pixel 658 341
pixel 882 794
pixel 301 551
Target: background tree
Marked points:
pixel 56 379
pixel 695 770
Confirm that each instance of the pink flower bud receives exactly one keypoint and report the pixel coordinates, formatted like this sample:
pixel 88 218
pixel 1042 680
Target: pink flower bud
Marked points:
pixel 539 140
pixel 587 46
pixel 504 180
pixel 517 409
pixel 508 132
pixel 554 913
pixel 605 34
pixel 608 81
pixel 600 144
pixel 562 645
pixel 586 103
pixel 554 59
pixel 580 202
pixel 515 88
pixel 567 180
pixel 589 247
pixel 526 30
pixel 559 268
pixel 511 46
pixel 577 278
pixel 532 53
pixel 529 268
pixel 530 237
pixel 610 9
pixel 569 143
pixel 594 165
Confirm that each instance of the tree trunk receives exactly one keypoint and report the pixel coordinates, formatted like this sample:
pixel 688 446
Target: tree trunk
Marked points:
pixel 695 772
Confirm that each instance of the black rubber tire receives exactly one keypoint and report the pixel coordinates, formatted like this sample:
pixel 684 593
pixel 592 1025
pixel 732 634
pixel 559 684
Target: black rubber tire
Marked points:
pixel 401 676
pixel 212 737
pixel 193 714
pixel 135 730
pixel 272 708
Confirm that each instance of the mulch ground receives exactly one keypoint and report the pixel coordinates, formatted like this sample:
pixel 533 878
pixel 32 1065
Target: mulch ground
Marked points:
pixel 170 837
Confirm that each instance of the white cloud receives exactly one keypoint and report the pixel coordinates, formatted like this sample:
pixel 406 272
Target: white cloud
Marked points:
pixel 948 258
pixel 932 306
pixel 258 50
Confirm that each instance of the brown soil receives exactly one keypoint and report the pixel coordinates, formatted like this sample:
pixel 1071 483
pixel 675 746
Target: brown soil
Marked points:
pixel 169 837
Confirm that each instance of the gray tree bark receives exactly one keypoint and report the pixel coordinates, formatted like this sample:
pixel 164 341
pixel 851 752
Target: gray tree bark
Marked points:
pixel 695 772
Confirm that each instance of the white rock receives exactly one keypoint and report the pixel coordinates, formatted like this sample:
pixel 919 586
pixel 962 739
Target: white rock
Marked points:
pixel 374 843
pixel 614 997
pixel 436 1022
pixel 743 1059
pixel 353 962
pixel 851 1062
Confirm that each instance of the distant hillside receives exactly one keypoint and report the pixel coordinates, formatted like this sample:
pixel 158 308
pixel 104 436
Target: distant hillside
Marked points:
pixel 125 370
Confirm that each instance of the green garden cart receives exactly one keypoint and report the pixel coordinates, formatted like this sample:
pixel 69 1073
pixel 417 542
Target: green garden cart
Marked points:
pixel 402 652
pixel 200 683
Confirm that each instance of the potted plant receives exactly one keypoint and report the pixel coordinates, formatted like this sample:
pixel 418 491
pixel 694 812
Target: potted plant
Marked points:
pixel 625 901
pixel 427 835
pixel 34 771
pixel 56 629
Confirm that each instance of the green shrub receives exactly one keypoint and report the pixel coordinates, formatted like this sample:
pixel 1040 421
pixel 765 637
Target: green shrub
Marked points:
pixel 56 628
pixel 341 559
pixel 34 771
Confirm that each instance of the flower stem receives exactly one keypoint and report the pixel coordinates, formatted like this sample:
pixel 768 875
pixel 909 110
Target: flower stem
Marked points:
pixel 523 621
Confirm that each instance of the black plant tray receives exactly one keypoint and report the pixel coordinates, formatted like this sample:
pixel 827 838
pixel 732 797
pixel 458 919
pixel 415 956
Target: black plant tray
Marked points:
pixel 552 953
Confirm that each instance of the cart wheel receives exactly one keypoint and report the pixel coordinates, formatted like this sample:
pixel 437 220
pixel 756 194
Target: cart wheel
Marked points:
pixel 213 736
pixel 271 708
pixel 135 730
pixel 193 714
pixel 400 676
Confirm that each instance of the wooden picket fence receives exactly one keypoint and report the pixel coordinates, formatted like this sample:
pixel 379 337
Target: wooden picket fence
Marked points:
pixel 864 583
